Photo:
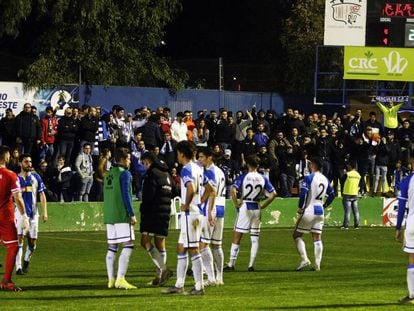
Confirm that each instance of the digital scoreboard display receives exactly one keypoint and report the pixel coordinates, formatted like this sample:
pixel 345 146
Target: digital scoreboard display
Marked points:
pixel 390 23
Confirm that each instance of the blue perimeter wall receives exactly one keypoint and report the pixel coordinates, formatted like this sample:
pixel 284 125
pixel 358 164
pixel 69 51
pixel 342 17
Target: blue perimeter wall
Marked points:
pixel 189 99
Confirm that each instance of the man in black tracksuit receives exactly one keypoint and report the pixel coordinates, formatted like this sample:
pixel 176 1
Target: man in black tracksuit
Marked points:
pixel 155 214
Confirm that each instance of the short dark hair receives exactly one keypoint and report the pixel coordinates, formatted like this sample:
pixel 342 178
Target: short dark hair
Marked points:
pixel 252 160
pixel 149 156
pixel 186 148
pixel 121 153
pixel 24 155
pixel 3 150
pixel 206 151
pixel 317 162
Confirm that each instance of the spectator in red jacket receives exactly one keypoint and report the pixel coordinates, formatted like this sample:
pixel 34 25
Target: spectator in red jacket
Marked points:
pixel 49 131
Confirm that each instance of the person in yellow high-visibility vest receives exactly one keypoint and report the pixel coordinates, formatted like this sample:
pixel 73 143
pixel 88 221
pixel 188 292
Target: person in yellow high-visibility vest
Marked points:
pixel 390 114
pixel 350 184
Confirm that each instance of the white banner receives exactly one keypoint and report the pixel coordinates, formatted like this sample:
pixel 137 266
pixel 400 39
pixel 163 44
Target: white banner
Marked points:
pixel 390 212
pixel 13 96
pixel 345 22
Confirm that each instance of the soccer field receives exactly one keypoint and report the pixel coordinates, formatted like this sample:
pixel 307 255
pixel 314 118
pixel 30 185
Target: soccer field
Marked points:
pixel 361 270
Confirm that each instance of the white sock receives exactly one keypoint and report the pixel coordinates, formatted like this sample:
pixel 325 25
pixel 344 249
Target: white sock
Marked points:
pixel 110 262
pixel 19 257
pixel 197 267
pixel 163 254
pixel 123 260
pixel 234 251
pixel 410 280
pixel 218 255
pixel 29 252
pixel 300 245
pixel 318 249
pixel 254 249
pixel 156 257
pixel 182 265
pixel 207 258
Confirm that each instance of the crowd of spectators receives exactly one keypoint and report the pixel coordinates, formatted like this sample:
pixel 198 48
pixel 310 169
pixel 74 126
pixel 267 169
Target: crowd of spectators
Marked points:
pixel 73 152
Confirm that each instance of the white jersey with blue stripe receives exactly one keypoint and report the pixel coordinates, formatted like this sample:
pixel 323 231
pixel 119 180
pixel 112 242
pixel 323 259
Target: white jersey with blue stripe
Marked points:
pixel 31 186
pixel 314 188
pixel 406 199
pixel 252 185
pixel 214 176
pixel 192 172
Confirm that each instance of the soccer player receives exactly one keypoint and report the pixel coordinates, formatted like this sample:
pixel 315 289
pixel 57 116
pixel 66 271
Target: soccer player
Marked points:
pixel 190 221
pixel 213 202
pixel 9 190
pixel 155 208
pixel 119 218
pixel 313 190
pixel 32 185
pixel 406 200
pixel 252 185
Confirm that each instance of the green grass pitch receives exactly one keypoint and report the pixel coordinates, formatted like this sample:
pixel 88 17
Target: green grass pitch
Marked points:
pixel 361 270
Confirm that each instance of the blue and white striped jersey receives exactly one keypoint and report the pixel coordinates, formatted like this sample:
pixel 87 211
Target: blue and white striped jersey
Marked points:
pixel 252 185
pixel 31 186
pixel 193 173
pixel 315 187
pixel 405 195
pixel 214 176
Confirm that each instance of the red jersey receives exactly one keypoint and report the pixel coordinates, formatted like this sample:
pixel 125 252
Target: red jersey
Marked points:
pixel 9 184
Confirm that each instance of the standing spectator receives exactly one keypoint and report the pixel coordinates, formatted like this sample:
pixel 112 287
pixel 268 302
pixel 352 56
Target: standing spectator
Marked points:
pixel 67 132
pixel 377 127
pixel 400 173
pixel 223 134
pixel 119 217
pixel 261 119
pixel 381 165
pixel 393 156
pixel 49 132
pixel 405 138
pixel 9 190
pixel 167 150
pixel 137 149
pixel 350 184
pixel 48 178
pixel 188 120
pixel 249 147
pixel 338 157
pixel 390 114
pixel 287 172
pixel 241 125
pixel 230 169
pixel 88 127
pixel 179 128
pixel 296 141
pixel 13 163
pixel 84 168
pixel 264 161
pixel 151 132
pixel 260 137
pixel 28 130
pixel 176 181
pixel 201 134
pixel 323 150
pixel 8 129
pixel 155 209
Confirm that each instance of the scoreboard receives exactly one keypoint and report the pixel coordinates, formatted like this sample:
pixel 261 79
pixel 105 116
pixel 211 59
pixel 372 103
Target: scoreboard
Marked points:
pixel 390 23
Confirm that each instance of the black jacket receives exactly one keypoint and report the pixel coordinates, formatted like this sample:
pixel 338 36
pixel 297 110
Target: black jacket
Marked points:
pixel 88 128
pixel 28 126
pixel 156 199
pixel 67 128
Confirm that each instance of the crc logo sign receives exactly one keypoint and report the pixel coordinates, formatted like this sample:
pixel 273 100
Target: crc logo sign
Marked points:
pixel 393 62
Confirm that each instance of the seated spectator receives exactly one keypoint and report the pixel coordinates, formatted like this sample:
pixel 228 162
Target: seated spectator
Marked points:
pixel 230 169
pixel 63 179
pixel 104 164
pixel 167 150
pixel 201 134
pixel 14 161
pixel 46 174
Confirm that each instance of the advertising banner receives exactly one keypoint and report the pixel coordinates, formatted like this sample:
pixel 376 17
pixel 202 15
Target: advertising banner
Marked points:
pixel 390 212
pixel 13 95
pixel 345 22
pixel 376 63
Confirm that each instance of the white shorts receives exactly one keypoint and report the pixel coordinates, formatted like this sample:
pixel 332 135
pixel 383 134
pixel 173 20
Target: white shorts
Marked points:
pixel 213 235
pixel 190 229
pixel 309 222
pixel 33 228
pixel 409 237
pixel 248 220
pixel 119 233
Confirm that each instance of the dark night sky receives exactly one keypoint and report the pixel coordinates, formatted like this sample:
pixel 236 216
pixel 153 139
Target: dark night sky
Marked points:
pixel 245 33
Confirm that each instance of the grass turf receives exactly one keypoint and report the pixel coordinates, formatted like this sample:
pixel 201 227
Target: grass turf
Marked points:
pixel 361 270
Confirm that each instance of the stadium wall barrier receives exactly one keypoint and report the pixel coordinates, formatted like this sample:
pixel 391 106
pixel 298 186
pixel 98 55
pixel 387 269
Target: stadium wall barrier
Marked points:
pixel 81 216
